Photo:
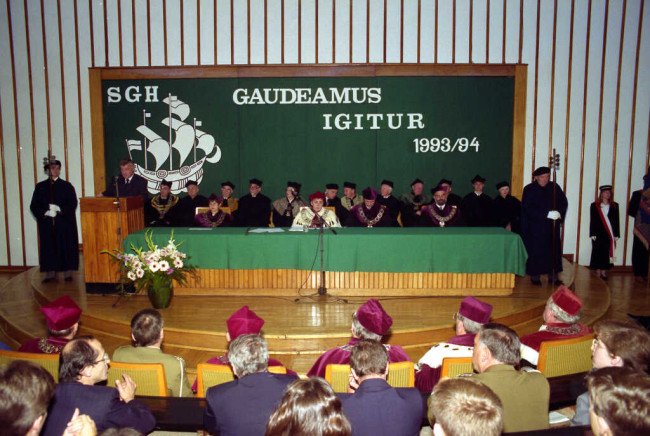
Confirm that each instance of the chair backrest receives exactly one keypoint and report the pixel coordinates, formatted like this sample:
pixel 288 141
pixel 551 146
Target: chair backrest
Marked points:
pixel 208 375
pixel 226 209
pixel 453 366
pixel 201 209
pixel 565 356
pixel 332 208
pixel 48 361
pixel 400 375
pixel 149 377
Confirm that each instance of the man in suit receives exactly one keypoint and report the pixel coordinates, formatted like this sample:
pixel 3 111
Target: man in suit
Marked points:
pixel 244 405
pixel 129 184
pixel 375 407
pixel 148 334
pixel 525 393
pixel 84 363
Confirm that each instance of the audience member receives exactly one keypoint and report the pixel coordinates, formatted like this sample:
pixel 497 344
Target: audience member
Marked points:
pixel 375 407
pixel 308 408
pixel 617 343
pixel 83 363
pixel 243 406
pixel 524 394
pixel 477 206
pixel 561 317
pixel 620 399
pixel 254 207
pixel 370 213
pixel 148 334
pixel 62 319
pixel 471 315
pixel 370 321
pixel 286 208
pixel 465 407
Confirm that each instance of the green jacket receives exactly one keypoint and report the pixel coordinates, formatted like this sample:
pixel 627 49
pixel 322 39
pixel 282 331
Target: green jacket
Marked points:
pixel 177 383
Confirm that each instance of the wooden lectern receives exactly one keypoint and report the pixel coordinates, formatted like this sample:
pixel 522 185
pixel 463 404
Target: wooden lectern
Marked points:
pixel 100 231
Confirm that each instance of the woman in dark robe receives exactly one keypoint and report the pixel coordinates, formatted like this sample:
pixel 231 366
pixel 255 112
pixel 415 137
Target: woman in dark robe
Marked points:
pixel 214 217
pixel 507 209
pixel 604 231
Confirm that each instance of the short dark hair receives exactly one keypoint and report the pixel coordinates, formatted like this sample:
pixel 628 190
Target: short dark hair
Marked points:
pixel 146 326
pixel 502 341
pixel 368 357
pixel 25 393
pixel 463 406
pixel 75 356
pixel 309 407
pixel 627 340
pixel 621 396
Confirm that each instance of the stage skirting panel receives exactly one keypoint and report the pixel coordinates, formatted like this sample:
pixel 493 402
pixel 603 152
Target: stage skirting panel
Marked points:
pixel 357 261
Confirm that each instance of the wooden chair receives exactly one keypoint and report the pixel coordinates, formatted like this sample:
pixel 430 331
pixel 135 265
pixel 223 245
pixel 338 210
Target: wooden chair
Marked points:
pixel 399 219
pixel 453 366
pixel 48 361
pixel 208 375
pixel 332 208
pixel 201 209
pixel 226 209
pixel 150 377
pixel 565 356
pixel 400 375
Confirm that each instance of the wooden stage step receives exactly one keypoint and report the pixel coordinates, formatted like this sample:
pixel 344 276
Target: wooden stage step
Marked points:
pixel 297 332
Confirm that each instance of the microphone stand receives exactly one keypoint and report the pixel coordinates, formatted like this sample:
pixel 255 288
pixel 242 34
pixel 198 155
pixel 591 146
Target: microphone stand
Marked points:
pixel 119 236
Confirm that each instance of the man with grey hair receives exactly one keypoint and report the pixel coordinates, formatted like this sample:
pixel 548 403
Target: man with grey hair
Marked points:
pixel 244 405
pixel 524 394
pixel 561 317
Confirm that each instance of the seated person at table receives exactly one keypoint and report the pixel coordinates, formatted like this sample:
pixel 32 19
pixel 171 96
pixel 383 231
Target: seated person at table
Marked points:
pixel 242 322
pixel 462 406
pixel 332 200
pixel 617 343
pixel 387 198
pixel 561 317
pixel 254 207
pixel 413 202
pixel 316 215
pixel 453 199
pixel 369 213
pixel 158 211
pixel 370 321
pixel 376 408
pixel 620 399
pixel 477 206
pixel 226 199
pixel 440 213
pixel 244 405
pixel 185 209
pixel 507 209
pixel 148 334
pixel 471 315
pixel 350 197
pixel 62 319
pixel 214 217
pixel 285 209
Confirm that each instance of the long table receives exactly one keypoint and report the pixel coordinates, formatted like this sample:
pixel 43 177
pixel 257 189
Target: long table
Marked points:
pixel 425 261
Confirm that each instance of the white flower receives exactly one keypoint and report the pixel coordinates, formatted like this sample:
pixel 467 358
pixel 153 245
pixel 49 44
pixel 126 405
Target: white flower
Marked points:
pixel 131 276
pixel 139 273
pixel 178 263
pixel 154 266
pixel 164 265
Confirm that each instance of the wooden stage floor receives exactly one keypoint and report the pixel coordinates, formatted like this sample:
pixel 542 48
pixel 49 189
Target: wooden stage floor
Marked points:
pixel 297 333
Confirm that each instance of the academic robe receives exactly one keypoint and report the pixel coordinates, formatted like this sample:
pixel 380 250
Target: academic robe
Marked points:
pixel 206 219
pixel 601 258
pixel 507 211
pixel 477 210
pixel 159 212
pixel 376 216
pixel 531 343
pixel 393 205
pixel 59 240
pixel 136 186
pixel 432 216
pixel 285 211
pixel 429 366
pixel 185 210
pixel 537 230
pixel 51 345
pixel 342 355
pixel 411 204
pixel 253 211
pixel 307 217
pixel 341 212
pixel 454 199
pixel 350 203
pixel 639 252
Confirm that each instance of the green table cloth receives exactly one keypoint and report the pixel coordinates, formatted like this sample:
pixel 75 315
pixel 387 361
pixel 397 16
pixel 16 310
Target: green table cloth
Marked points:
pixel 408 250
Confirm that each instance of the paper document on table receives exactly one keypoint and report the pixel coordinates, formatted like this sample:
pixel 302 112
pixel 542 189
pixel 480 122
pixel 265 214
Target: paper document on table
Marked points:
pixel 266 230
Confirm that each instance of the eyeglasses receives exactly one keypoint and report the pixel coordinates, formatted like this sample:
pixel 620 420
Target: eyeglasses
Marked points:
pixel 104 359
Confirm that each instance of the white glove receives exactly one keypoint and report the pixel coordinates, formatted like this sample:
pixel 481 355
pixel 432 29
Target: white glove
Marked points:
pixel 593 238
pixel 553 215
pixel 55 208
pixel 50 213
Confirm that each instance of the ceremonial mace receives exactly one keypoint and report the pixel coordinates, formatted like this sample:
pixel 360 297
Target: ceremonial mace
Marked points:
pixel 554 164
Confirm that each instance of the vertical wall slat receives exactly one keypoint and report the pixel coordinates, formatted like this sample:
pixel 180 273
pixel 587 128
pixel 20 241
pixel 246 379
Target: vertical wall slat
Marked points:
pixel 471 33
pixel 119 29
pixel 4 186
pixel 552 102
pixel 487 33
pixel 618 93
pixel 63 103
pixel 106 64
pixel 149 33
pixel 47 89
pixel 181 19
pixel 569 79
pixel 600 103
pixel 135 36
pixel 79 104
pixel 536 85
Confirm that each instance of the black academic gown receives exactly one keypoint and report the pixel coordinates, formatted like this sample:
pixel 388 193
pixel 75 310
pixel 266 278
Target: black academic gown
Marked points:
pixel 600 258
pixel 160 218
pixel 477 210
pixel 185 209
pixel 537 230
pixel 341 212
pixel 136 186
pixel 454 199
pixel 253 211
pixel 59 240
pixel 639 252
pixel 507 211
pixel 393 205
pixel 376 216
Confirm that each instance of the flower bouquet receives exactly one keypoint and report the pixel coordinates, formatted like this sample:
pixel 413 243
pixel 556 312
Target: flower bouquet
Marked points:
pixel 153 270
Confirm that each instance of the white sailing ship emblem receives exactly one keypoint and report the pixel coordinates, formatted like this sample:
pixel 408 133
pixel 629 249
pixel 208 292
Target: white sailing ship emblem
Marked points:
pixel 185 138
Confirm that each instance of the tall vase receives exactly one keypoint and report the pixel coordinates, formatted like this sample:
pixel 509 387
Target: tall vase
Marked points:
pixel 160 293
